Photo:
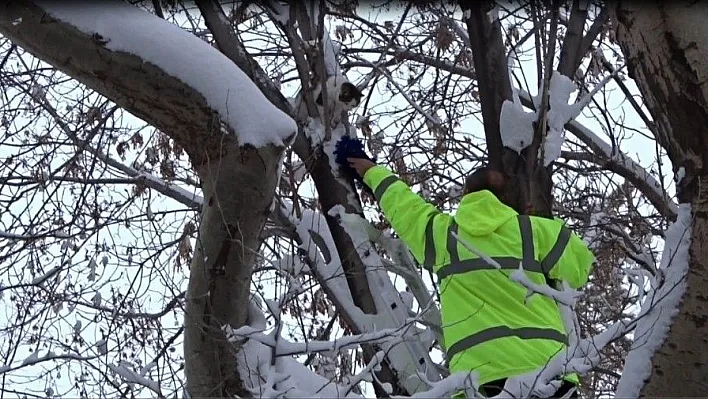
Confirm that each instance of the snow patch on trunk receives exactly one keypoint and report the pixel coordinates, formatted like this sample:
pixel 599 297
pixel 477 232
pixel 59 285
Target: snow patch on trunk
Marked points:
pixel 226 88
pixel 559 113
pixel 516 126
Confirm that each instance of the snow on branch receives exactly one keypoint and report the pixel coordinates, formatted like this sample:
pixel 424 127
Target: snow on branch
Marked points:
pixel 124 370
pixel 330 52
pixel 566 297
pixel 620 163
pixel 517 126
pixel 281 376
pixel 660 306
pixel 410 357
pixel 287 348
pixel 449 386
pixel 312 230
pixel 34 359
pixel 226 88
pixel 404 265
pixel 560 112
pixel 408 353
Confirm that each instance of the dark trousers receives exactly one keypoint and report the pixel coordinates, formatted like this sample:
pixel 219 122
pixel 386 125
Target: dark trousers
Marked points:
pixel 494 388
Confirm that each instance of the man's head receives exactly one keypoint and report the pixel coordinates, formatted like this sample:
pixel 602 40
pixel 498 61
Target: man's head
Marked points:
pixel 486 178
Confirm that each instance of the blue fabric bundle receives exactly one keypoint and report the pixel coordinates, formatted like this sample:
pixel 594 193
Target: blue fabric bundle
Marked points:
pixel 348 147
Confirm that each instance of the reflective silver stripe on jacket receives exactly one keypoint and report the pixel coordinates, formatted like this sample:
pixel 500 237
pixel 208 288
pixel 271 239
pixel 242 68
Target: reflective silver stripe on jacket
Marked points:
pixel 530 263
pixel 429 259
pixel 383 186
pixel 502 332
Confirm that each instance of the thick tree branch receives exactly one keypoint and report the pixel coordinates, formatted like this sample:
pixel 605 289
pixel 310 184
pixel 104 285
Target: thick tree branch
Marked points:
pixel 229 44
pixel 139 87
pixel 238 182
pixel 487 45
pixel 666 49
pixel 570 54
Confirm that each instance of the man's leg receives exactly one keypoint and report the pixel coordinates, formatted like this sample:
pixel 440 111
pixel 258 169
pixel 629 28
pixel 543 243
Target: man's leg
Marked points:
pixel 496 387
pixel 565 388
pixel 492 388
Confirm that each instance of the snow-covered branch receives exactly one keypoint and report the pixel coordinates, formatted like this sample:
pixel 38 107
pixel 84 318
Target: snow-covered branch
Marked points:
pixel 660 305
pixel 312 230
pixel 566 297
pixel 282 376
pixel 34 359
pixel 445 388
pixel 619 163
pixel 124 370
pixel 287 348
pixel 129 29
pixel 411 357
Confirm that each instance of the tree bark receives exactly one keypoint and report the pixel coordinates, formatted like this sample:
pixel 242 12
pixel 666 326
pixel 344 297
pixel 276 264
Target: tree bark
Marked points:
pixel 238 191
pixel 531 184
pixel 666 46
pixel 238 182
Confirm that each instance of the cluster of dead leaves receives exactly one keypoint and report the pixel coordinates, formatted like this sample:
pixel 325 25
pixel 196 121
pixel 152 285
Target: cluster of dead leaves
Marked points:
pixel 444 37
pixel 136 140
pixel 184 250
pixel 343 33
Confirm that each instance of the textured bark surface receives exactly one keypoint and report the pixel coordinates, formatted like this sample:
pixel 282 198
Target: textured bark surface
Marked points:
pixel 238 191
pixel 238 182
pixel 667 52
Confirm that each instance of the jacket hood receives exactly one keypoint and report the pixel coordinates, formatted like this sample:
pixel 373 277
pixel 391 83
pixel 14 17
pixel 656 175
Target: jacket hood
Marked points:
pixel 481 213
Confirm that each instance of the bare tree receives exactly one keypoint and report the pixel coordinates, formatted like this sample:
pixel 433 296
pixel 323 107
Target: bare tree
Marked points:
pixel 290 289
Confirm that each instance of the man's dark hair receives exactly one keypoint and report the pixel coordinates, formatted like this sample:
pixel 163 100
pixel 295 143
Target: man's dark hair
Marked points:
pixel 486 178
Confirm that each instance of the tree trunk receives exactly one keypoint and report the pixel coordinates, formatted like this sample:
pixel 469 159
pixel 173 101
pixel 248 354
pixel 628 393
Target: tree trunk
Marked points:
pixel 238 182
pixel 666 47
pixel 238 191
pixel 489 57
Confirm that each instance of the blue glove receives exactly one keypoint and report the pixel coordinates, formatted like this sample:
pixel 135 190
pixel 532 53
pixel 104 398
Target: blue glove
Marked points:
pixel 348 147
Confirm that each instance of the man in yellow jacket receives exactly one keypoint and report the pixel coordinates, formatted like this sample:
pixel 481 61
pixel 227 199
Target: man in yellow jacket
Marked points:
pixel 489 325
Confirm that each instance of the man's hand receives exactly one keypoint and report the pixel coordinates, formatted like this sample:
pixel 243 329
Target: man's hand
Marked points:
pixel 361 165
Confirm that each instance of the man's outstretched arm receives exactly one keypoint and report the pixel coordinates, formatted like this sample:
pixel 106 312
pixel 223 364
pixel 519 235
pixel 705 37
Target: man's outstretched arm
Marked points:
pixel 413 218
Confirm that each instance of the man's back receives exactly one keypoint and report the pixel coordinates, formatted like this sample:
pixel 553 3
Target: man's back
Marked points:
pixel 489 324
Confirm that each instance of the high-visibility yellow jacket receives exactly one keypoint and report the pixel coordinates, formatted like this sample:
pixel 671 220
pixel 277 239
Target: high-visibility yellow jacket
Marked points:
pixel 489 325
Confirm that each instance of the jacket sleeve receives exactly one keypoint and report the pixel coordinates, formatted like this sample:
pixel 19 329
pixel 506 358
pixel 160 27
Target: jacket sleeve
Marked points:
pixel 575 264
pixel 411 216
